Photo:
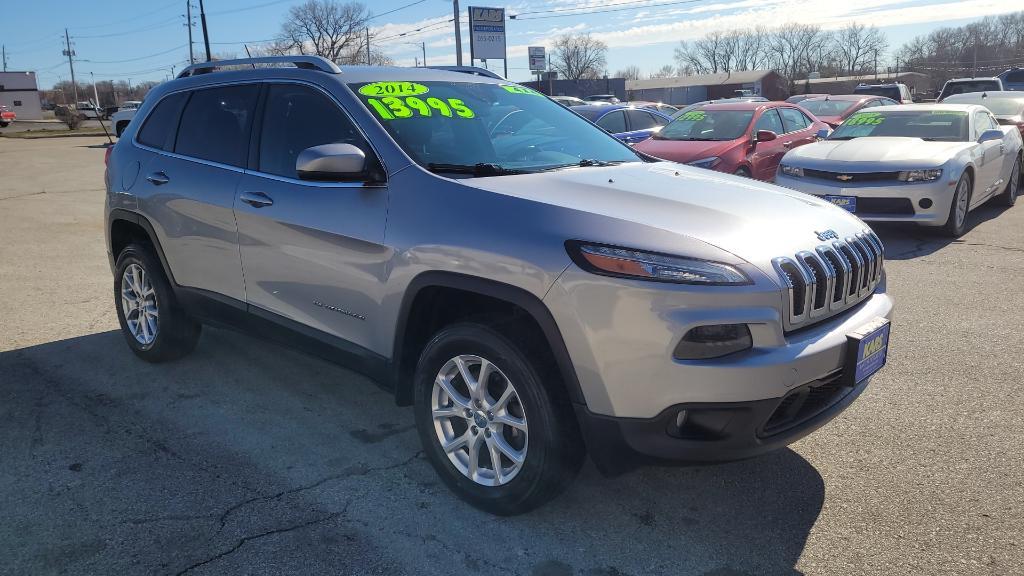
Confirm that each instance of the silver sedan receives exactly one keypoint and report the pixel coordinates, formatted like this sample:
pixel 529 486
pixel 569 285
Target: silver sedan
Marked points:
pixel 930 164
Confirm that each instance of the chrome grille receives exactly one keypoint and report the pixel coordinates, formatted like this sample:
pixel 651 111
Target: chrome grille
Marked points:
pixel 830 278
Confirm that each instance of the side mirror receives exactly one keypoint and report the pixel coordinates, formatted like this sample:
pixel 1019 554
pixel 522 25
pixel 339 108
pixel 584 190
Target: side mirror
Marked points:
pixel 765 136
pixel 823 133
pixel 331 162
pixel 990 135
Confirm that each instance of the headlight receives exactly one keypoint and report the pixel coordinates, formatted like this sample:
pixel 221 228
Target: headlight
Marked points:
pixel 791 171
pixel 626 263
pixel 709 162
pixel 920 175
pixel 713 341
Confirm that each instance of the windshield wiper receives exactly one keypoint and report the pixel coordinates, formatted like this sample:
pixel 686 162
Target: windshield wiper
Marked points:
pixel 840 138
pixel 584 163
pixel 478 169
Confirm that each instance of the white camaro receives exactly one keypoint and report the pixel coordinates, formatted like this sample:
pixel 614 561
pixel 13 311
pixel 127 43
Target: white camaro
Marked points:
pixel 929 164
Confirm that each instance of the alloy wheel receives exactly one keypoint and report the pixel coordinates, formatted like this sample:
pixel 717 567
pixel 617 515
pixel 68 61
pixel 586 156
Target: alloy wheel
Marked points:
pixel 139 304
pixel 479 420
pixel 961 202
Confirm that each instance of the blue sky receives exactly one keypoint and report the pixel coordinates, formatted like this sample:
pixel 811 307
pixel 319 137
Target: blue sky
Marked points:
pixel 143 40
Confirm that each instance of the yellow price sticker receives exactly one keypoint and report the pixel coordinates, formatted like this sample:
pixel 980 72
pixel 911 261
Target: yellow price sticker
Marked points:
pixel 696 115
pixel 514 89
pixel 393 107
pixel 868 118
pixel 381 89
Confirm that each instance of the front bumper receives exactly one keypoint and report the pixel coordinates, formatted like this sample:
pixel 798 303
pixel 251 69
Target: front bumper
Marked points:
pixel 939 192
pixel 714 432
pixel 621 334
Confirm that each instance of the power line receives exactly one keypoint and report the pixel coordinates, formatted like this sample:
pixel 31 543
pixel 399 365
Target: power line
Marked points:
pixel 126 20
pixel 411 4
pixel 417 31
pixel 147 28
pixel 578 11
pixel 133 59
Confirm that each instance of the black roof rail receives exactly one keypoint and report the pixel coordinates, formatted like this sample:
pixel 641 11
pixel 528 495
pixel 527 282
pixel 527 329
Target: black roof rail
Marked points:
pixel 307 62
pixel 476 70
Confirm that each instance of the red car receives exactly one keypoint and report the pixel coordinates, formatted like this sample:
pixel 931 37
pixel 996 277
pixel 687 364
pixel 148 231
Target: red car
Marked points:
pixel 744 138
pixel 6 117
pixel 832 110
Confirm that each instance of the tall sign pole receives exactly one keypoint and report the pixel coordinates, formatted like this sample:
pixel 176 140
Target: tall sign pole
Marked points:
pixel 69 53
pixel 188 24
pixel 458 34
pixel 206 35
pixel 487 34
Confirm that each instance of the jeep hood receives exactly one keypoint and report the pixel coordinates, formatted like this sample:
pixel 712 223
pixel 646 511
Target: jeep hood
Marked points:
pixel 752 220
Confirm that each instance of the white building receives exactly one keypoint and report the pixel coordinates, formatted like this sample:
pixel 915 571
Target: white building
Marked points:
pixel 20 94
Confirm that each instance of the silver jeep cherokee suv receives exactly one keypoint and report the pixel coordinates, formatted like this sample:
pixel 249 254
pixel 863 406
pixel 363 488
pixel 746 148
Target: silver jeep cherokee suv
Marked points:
pixel 536 290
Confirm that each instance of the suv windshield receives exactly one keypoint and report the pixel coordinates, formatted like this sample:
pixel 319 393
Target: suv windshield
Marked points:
pixel 968 86
pixel 827 107
pixel 487 129
pixel 942 125
pixel 707 125
pixel 887 91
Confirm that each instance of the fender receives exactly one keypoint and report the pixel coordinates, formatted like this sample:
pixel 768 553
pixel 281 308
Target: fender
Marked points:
pixel 497 290
pixel 143 222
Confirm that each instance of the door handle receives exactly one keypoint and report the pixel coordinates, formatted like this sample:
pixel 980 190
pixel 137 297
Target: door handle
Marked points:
pixel 256 199
pixel 158 178
pixel 787 144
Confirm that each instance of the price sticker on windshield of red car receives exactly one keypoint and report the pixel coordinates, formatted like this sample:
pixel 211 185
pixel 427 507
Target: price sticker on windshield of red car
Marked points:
pixel 694 115
pixel 867 118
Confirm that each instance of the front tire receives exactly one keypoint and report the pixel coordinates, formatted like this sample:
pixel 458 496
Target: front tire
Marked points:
pixel 152 322
pixel 959 208
pixel 1009 196
pixel 742 171
pixel 493 421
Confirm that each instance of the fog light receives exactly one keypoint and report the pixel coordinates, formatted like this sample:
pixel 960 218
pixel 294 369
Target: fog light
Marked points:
pixel 925 203
pixel 713 341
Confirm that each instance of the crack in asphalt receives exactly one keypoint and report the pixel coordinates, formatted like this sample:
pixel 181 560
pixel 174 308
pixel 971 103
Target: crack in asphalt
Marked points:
pixel 349 473
pixel 41 192
pixel 250 538
pixel 997 246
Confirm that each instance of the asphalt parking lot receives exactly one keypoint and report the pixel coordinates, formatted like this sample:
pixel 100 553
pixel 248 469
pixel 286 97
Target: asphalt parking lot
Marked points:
pixel 249 458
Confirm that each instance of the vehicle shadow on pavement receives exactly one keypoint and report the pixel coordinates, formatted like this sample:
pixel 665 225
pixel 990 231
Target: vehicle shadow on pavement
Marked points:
pixel 905 241
pixel 247 457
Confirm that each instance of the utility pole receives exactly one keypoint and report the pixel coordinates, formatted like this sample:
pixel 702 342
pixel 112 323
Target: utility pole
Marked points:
pixel 95 93
pixel 69 53
pixel 5 57
pixel 188 24
pixel 974 68
pixel 367 45
pixel 424 45
pixel 458 34
pixel 206 34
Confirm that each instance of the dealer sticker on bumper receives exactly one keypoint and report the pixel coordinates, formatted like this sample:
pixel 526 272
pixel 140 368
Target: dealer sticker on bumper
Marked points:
pixel 844 202
pixel 867 350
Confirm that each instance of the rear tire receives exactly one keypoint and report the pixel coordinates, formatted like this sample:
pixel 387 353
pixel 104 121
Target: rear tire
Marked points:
pixel 152 322
pixel 1009 196
pixel 542 433
pixel 959 208
pixel 742 171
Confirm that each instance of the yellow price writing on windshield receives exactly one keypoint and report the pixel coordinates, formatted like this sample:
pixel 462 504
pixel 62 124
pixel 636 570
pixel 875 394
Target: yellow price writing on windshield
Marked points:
pixel 870 118
pixel 393 89
pixel 696 115
pixel 392 107
pixel 520 90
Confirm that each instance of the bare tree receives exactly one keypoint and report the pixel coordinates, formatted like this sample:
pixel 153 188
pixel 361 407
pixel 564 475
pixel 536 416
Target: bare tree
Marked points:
pixel 629 73
pixel 328 28
pixel 856 47
pixel 579 56
pixel 666 71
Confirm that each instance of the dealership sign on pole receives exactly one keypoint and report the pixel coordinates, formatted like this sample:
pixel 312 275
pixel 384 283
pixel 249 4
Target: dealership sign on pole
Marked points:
pixel 537 59
pixel 487 34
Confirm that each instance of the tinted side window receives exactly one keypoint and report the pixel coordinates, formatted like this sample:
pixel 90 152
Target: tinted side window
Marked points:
pixel 298 117
pixel 613 122
pixel 159 129
pixel 640 120
pixel 793 119
pixel 215 124
pixel 769 120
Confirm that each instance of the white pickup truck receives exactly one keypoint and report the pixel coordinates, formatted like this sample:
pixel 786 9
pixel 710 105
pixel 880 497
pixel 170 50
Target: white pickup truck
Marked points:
pixel 125 113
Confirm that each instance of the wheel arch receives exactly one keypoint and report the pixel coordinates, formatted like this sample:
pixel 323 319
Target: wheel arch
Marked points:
pixel 415 325
pixel 126 226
